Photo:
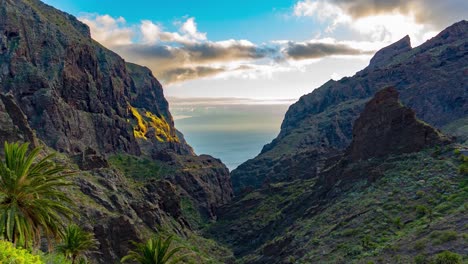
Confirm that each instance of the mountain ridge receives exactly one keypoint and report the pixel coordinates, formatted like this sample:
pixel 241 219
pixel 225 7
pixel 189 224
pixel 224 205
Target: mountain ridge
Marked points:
pixel 321 122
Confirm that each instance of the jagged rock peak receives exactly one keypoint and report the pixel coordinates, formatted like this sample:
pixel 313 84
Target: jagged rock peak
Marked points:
pixel 387 127
pixel 453 33
pixel 384 56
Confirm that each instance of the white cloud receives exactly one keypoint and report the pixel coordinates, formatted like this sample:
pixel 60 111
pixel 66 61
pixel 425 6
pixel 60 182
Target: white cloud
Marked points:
pixel 150 32
pixel 107 30
pixel 384 21
pixel 189 28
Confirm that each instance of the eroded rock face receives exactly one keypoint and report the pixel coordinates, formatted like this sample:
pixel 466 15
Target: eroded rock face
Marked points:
pixel 75 92
pixel 385 55
pixel 387 127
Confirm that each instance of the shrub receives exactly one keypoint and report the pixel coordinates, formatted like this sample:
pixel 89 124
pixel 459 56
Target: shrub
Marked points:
pixel 420 245
pixel 440 237
pixel 397 222
pixel 10 254
pixel 420 193
pixel 463 168
pixel 421 210
pixel 448 257
pixel 421 259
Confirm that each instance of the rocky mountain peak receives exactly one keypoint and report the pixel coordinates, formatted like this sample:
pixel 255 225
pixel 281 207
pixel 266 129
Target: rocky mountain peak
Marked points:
pixel 452 34
pixel 387 127
pixel 383 56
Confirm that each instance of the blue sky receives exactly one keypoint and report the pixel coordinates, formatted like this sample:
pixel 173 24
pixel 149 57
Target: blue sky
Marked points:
pixel 257 49
pixel 254 20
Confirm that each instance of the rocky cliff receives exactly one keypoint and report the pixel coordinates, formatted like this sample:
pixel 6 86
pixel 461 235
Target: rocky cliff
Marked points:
pixel 431 79
pixel 387 127
pixel 61 89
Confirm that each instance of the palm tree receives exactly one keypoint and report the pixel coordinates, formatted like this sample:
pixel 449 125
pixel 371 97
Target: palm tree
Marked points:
pixel 31 204
pixel 76 242
pixel 155 251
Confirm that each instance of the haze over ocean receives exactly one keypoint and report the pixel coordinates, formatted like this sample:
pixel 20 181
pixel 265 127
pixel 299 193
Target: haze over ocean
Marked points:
pixel 229 130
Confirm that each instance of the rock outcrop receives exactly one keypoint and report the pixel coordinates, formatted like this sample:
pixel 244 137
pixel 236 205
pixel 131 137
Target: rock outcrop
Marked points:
pixel 431 80
pixel 385 55
pixel 387 127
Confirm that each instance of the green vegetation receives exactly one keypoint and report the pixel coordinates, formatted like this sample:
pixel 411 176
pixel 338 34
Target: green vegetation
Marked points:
pixel 155 251
pixel 447 257
pixel 191 213
pixel 138 168
pixel 414 208
pixel 10 254
pixel 31 203
pixel 441 237
pixel 463 168
pixel 76 242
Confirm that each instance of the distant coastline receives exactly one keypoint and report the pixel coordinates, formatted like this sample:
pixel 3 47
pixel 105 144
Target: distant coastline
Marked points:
pixel 231 129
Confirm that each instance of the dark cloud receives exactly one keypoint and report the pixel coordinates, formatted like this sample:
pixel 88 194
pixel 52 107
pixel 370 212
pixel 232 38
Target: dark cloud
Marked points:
pixel 211 51
pixel 189 73
pixel 440 13
pixel 175 63
pixel 301 51
pixel 196 60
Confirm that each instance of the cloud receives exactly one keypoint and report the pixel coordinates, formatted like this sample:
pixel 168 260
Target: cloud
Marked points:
pixel 434 12
pixel 188 54
pixel 385 20
pixel 189 73
pixel 107 30
pixel 190 28
pixel 314 50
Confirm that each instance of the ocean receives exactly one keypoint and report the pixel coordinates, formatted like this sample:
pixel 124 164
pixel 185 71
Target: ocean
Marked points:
pixel 230 130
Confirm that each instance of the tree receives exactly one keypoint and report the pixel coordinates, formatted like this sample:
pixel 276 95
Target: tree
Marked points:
pixel 155 251
pixel 31 204
pixel 76 242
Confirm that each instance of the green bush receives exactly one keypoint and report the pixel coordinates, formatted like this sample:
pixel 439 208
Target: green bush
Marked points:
pixel 421 259
pixel 421 210
pixel 463 168
pixel 420 245
pixel 441 237
pixel 10 254
pixel 448 257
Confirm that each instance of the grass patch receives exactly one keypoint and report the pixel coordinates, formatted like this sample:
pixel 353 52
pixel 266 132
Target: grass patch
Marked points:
pixel 138 168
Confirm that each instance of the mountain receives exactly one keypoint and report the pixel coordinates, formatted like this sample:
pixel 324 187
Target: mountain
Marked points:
pixel 395 195
pixel 430 78
pixel 110 121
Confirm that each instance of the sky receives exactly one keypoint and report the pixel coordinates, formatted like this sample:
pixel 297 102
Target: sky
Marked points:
pixel 255 49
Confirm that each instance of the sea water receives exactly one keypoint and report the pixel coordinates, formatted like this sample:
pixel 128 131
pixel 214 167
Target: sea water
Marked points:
pixel 233 133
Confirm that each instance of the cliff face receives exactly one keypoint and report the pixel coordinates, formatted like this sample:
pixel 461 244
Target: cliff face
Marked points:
pixel 77 93
pixel 60 88
pixel 431 80
pixel 387 127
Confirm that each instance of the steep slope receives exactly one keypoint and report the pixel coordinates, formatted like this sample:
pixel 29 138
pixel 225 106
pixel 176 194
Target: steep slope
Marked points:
pixel 384 201
pixel 61 89
pixel 431 79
